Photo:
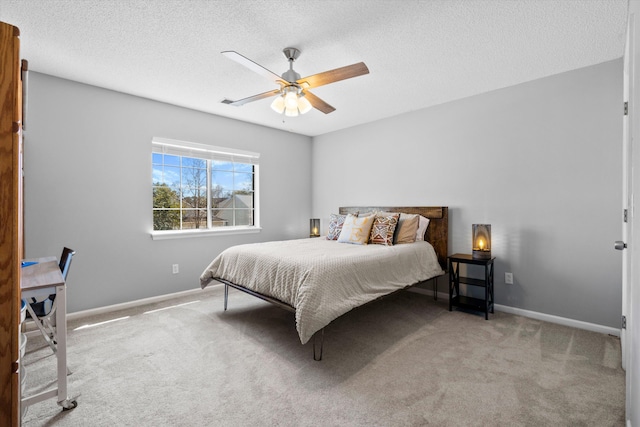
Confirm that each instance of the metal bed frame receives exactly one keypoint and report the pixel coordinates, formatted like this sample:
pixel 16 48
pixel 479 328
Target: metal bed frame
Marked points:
pixel 273 301
pixel 317 348
pixel 437 234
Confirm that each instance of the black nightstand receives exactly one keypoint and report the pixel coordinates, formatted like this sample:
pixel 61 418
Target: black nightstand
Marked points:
pixel 457 300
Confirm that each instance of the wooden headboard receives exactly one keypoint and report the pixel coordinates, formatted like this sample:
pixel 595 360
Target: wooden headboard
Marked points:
pixel 437 233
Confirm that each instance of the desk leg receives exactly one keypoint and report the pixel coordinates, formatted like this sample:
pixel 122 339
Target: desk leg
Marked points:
pixel 61 336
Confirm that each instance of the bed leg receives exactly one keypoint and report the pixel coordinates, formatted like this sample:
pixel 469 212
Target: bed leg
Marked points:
pixel 435 288
pixel 318 356
pixel 226 296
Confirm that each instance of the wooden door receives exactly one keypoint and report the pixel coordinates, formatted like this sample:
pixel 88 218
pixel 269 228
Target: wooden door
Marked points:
pixel 11 249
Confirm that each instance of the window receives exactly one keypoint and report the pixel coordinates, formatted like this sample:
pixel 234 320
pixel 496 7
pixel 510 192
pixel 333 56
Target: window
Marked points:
pixel 201 189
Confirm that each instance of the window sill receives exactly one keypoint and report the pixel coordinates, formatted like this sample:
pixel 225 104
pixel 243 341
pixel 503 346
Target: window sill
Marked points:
pixel 181 234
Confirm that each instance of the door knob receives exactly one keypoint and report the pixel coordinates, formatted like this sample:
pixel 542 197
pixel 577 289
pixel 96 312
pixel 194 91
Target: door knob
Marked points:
pixel 620 245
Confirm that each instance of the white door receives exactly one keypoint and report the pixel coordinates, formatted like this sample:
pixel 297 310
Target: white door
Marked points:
pixel 627 184
pixel 630 337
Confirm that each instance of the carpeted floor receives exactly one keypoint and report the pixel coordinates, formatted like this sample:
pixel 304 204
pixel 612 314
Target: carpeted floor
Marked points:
pixel 402 361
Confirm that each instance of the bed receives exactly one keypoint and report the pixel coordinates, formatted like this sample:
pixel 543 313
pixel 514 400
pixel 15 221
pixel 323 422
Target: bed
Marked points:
pixel 319 279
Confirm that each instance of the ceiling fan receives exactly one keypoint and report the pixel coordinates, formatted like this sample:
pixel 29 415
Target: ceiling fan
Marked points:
pixel 293 96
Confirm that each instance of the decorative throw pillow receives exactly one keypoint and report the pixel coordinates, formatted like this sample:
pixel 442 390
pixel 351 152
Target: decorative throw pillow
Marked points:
pixel 385 213
pixel 423 223
pixel 406 229
pixel 335 226
pixel 356 230
pixel 383 228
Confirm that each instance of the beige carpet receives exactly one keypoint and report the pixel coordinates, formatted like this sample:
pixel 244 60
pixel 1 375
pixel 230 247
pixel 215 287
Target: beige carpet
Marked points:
pixel 402 361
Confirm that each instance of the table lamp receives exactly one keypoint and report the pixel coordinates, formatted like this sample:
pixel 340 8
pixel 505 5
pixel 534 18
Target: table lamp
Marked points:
pixel 481 241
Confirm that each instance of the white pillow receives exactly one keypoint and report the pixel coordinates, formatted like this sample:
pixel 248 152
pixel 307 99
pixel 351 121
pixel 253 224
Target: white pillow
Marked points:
pixel 422 228
pixel 356 229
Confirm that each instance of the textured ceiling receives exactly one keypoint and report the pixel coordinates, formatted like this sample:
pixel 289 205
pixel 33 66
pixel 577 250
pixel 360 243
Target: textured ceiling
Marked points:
pixel 419 53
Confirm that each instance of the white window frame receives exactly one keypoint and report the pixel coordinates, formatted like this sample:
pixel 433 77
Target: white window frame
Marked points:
pixel 209 152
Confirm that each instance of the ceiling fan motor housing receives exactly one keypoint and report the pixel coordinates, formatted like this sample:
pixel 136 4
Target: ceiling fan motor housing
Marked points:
pixel 291 76
pixel 291 53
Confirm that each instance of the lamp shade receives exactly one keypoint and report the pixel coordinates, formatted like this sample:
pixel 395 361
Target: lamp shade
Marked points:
pixel 303 105
pixel 481 241
pixel 290 98
pixel 278 105
pixel 290 112
pixel 314 227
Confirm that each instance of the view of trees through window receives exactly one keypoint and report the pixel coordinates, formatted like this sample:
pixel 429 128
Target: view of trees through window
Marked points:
pixel 197 193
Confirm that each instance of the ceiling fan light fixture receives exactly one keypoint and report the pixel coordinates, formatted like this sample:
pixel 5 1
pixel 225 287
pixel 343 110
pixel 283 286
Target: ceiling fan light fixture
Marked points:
pixel 303 105
pixel 278 104
pixel 291 112
pixel 291 102
pixel 291 97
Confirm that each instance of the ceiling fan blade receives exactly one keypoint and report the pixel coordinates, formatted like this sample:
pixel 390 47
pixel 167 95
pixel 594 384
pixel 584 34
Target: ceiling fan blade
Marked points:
pixel 335 75
pixel 253 66
pixel 318 103
pixel 252 98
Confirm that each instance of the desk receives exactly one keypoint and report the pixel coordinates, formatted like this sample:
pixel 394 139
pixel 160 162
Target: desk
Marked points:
pixel 43 279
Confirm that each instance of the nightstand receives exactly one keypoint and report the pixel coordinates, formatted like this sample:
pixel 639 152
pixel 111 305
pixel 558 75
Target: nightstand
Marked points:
pixel 457 300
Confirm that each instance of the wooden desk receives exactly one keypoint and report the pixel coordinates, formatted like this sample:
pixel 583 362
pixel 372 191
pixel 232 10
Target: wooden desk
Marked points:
pixel 43 279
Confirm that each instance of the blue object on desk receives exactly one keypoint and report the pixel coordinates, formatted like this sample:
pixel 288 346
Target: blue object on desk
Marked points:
pixel 28 263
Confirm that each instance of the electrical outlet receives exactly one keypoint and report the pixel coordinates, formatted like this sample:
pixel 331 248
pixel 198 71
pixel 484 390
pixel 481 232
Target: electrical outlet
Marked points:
pixel 176 270
pixel 508 278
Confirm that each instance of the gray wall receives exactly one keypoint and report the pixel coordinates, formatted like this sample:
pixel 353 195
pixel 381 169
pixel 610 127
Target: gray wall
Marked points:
pixel 539 161
pixel 88 186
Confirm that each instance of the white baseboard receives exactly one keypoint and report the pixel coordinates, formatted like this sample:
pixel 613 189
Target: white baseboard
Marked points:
pixel 559 320
pixel 535 315
pixel 441 295
pixel 129 304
